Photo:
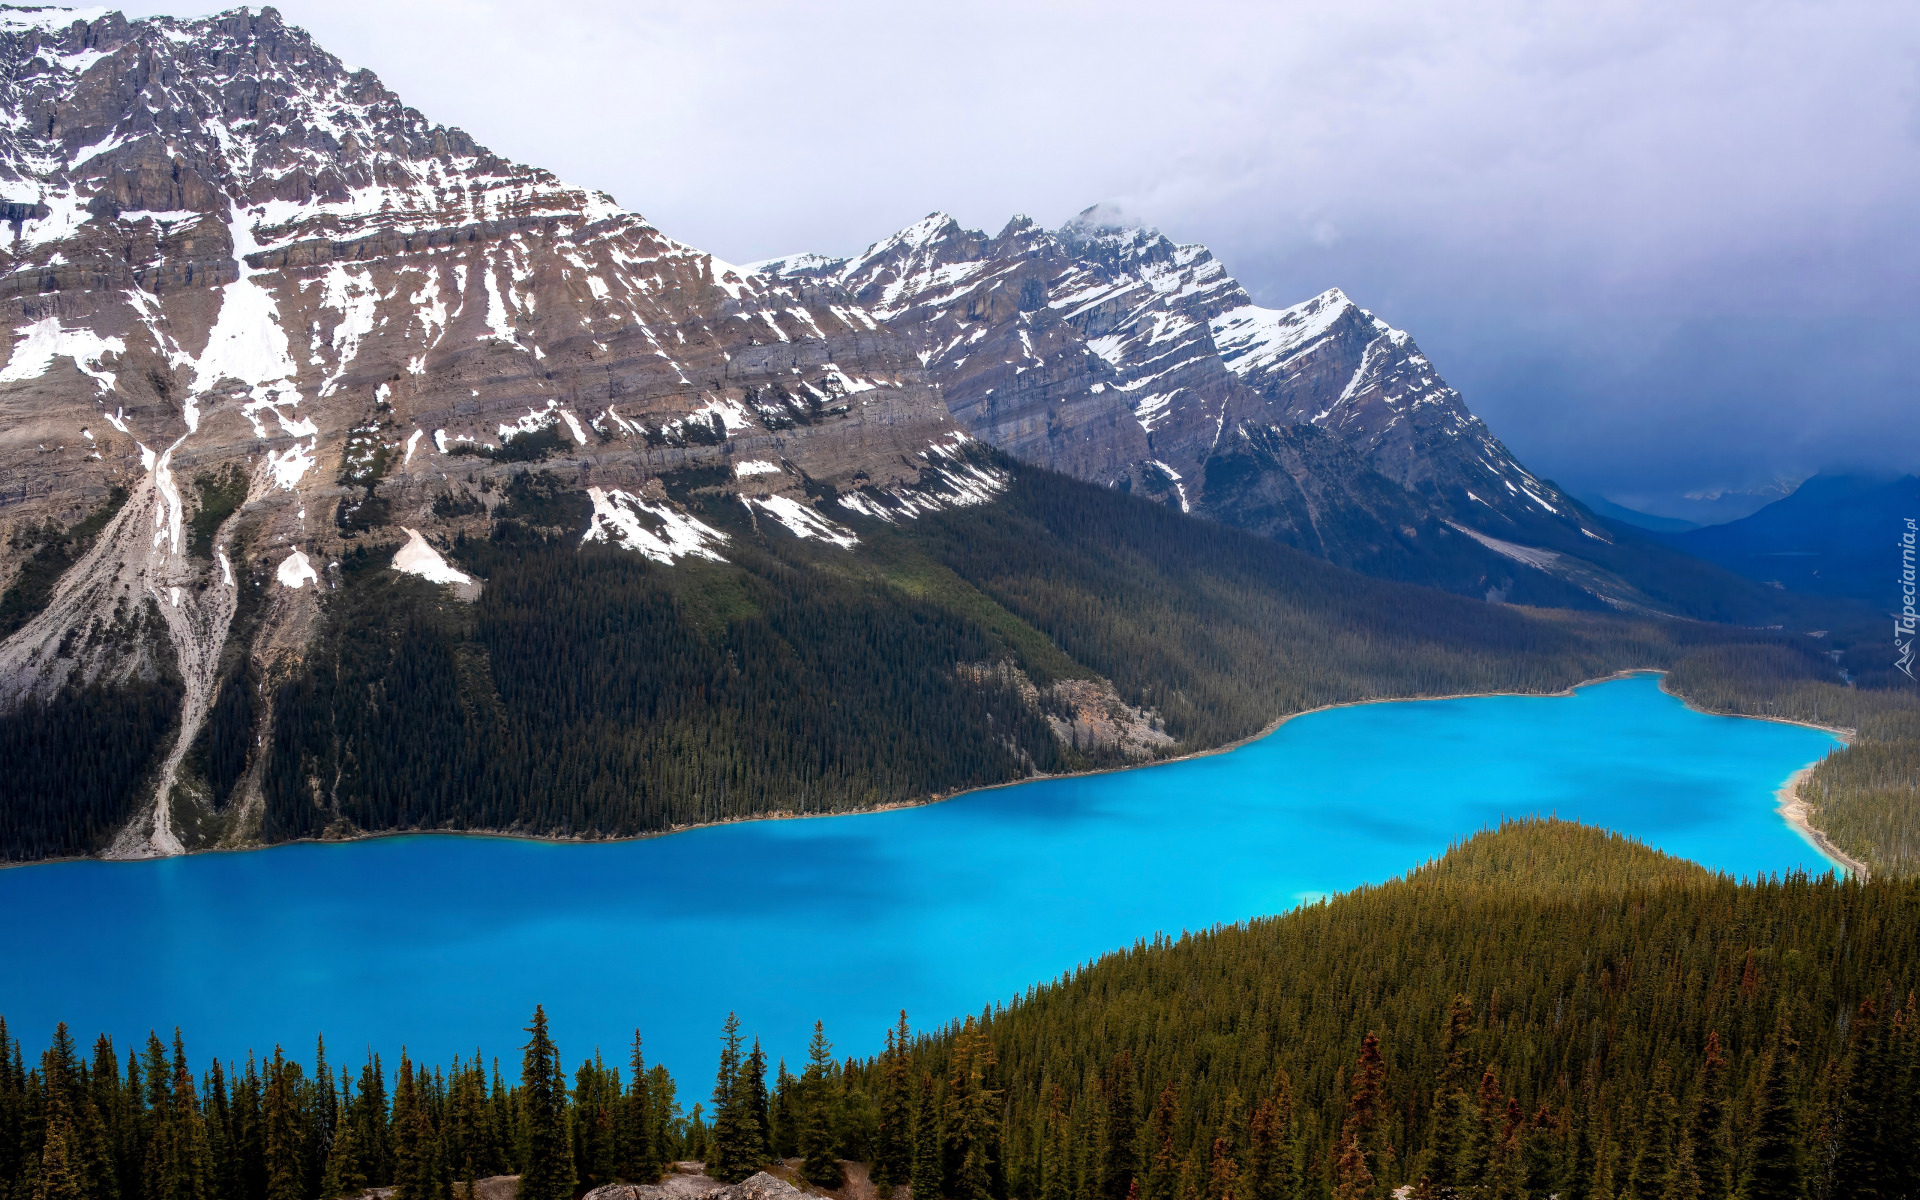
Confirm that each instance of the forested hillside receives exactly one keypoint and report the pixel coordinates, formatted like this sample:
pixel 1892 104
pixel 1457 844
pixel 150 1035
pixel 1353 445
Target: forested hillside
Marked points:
pixel 592 692
pixel 1548 1010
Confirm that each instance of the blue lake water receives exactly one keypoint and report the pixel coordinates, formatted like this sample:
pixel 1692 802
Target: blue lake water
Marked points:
pixel 445 943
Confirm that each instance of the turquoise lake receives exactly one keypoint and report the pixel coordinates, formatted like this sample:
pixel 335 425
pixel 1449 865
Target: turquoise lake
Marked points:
pixel 446 943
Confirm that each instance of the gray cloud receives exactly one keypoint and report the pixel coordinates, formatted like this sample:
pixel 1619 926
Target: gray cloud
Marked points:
pixel 1661 247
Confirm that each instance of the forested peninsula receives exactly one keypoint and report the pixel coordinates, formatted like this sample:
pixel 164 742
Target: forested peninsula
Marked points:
pixel 1547 1010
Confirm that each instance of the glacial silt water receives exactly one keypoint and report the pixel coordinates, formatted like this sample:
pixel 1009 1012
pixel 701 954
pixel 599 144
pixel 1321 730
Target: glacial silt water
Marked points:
pixel 446 943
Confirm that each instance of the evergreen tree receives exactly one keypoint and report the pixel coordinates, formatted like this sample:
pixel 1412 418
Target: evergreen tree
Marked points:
pixel 1120 1135
pixel 1444 1145
pixel 925 1179
pixel 1773 1149
pixel 1163 1164
pixel 178 1163
pixel 893 1136
pixel 1859 1158
pixel 785 1114
pixel 286 1178
pixel 59 1176
pixel 666 1112
pixel 640 1144
pixel 753 1093
pixel 1707 1124
pixel 730 1154
pixel 820 1164
pixel 547 1172
pixel 410 1180
pixel 1270 1163
pixel 344 1175
pixel 1683 1178
pixel 1223 1170
pixel 1363 1154
pixel 323 1118
pixel 371 1130
pixel 1056 1153
pixel 250 1133
pixel 1654 1157
pixel 505 1125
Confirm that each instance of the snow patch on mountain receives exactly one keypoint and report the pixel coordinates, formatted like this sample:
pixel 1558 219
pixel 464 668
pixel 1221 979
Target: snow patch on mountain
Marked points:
pixel 418 558
pixel 652 529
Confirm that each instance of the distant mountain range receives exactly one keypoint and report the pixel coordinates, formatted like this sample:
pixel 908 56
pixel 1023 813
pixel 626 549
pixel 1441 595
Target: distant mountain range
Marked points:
pixel 1836 535
pixel 1603 507
pixel 281 344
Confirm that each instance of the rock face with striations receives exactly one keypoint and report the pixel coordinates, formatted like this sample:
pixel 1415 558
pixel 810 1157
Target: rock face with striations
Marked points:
pixel 1114 354
pixel 263 305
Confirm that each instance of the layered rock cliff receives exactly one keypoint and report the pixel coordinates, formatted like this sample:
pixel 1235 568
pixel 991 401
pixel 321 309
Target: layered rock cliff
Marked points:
pixel 1112 353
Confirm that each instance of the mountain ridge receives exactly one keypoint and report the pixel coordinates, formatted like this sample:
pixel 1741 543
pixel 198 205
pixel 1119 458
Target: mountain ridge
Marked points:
pixel 1108 351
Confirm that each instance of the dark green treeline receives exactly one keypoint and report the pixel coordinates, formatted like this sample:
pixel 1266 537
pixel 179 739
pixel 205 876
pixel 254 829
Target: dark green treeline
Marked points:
pixel 1547 1011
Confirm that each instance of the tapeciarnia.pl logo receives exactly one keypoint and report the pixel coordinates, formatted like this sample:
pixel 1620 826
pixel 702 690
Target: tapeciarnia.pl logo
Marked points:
pixel 1903 621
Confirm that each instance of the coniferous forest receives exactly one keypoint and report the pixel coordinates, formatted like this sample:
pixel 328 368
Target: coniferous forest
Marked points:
pixel 1548 1010
pixel 591 693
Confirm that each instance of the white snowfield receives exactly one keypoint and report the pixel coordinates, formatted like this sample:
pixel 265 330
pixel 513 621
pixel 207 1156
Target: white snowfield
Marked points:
pixel 295 571
pixel 654 530
pixel 418 558
pixel 801 521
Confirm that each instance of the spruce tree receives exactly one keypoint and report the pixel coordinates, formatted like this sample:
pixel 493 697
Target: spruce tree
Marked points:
pixel 925 1179
pixel 1270 1163
pixel 820 1162
pixel 59 1175
pixel 640 1148
pixel 1707 1124
pixel 547 1173
pixel 1120 1135
pixel 752 1091
pixel 409 1156
pixel 1654 1157
pixel 666 1109
pixel 1540 1160
pixel 1773 1150
pixel 1683 1177
pixel 344 1175
pixel 1444 1144
pixel 728 1155
pixel 785 1114
pixel 893 1136
pixel 1163 1161
pixel 1859 1162
pixel 1363 1154
pixel 285 1176
pixel 1056 1152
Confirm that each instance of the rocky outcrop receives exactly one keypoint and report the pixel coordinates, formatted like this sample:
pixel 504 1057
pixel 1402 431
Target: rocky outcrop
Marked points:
pixel 679 1186
pixel 1087 715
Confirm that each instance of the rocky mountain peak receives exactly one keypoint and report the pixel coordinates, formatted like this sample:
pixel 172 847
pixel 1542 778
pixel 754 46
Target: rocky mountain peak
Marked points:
pixel 1108 350
pixel 290 318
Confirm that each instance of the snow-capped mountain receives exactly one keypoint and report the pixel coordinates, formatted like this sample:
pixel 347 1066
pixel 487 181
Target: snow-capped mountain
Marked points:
pixel 1115 354
pixel 232 258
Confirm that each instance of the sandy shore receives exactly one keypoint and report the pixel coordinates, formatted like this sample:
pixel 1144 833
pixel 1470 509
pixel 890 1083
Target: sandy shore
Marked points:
pixel 1798 813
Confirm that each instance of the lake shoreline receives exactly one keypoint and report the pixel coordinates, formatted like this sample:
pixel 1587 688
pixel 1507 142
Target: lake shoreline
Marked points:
pixel 1798 813
pixel 1799 820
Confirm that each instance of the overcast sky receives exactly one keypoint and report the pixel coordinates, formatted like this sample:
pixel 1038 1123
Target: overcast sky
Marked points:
pixel 1661 247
